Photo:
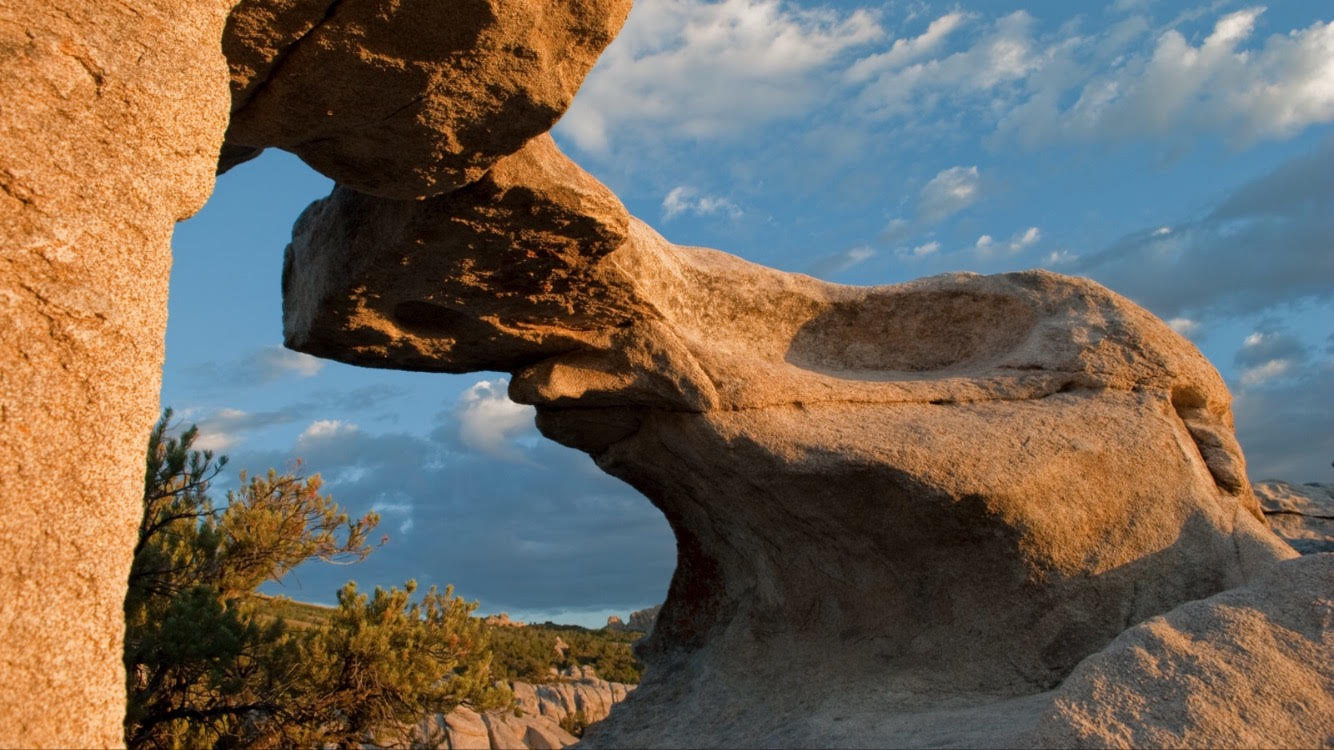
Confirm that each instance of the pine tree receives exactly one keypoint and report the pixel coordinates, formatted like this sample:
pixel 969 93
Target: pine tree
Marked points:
pixel 207 665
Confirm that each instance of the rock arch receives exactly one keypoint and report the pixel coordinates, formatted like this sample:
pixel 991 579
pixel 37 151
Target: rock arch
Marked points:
pixel 904 514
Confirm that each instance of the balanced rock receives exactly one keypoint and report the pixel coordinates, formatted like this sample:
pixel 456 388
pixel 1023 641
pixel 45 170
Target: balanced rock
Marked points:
pixel 1301 514
pixel 406 98
pixel 935 494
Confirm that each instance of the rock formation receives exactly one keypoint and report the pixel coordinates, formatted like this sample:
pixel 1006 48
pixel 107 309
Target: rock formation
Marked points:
pixel 112 116
pixel 110 119
pixel 534 723
pixel 643 619
pixel 1301 514
pixel 1250 667
pixel 1014 469
pixel 942 493
pixel 943 512
pixel 408 98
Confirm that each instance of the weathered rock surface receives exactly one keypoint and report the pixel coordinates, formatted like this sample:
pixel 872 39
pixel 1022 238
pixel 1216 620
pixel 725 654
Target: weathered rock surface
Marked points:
pixel 406 98
pixel 936 494
pixel 535 725
pixel 1301 514
pixel 642 619
pixel 111 115
pixel 1251 667
pixel 904 514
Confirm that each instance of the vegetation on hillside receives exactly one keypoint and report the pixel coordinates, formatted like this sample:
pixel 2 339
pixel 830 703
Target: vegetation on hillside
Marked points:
pixel 529 653
pixel 209 664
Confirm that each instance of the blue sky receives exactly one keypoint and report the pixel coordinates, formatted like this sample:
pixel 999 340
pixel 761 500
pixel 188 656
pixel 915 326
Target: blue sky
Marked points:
pixel 1181 153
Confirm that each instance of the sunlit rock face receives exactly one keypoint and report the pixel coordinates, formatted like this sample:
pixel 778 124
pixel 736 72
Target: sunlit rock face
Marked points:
pixel 406 98
pixel 111 114
pixel 888 501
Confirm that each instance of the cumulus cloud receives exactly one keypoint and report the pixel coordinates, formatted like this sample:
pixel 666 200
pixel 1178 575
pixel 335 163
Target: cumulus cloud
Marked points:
pixel 694 68
pixel 698 70
pixel 323 430
pixel 987 247
pixel 1269 354
pixel 488 421
pixel 1059 258
pixel 1269 243
pixel 1184 326
pixel 949 192
pixel 1025 238
pixel 687 200
pixel 1222 85
pixel 920 251
pixel 1283 424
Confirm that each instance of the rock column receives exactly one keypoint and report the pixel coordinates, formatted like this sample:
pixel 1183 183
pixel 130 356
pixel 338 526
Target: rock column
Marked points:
pixel 111 117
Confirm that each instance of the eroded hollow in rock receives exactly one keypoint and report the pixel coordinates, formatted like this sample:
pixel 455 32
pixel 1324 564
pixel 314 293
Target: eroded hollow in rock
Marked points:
pixel 911 332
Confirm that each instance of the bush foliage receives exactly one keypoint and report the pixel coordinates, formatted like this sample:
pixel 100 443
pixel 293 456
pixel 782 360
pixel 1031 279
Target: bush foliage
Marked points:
pixel 208 663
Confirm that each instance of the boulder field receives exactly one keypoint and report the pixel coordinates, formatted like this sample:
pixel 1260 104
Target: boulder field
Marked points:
pixel 962 511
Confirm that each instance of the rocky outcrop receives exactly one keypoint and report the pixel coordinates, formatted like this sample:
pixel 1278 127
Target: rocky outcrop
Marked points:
pixel 1251 667
pixel 406 98
pixel 930 513
pixel 642 619
pixel 1301 514
pixel 535 721
pixel 1012 469
pixel 111 115
pixel 578 691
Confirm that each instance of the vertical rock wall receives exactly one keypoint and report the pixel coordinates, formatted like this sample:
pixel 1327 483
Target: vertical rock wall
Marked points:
pixel 111 116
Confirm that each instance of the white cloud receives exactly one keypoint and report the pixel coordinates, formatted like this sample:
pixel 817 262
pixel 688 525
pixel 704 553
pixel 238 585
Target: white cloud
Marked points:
pixel 397 505
pixel 1270 90
pixel 1268 354
pixel 949 192
pixel 1162 231
pixel 1059 258
pixel 1024 239
pixel 684 199
pixel 905 51
pixel 921 251
pixel 1265 371
pixel 1005 53
pixel 489 420
pixel 694 69
pixel 986 246
pixel 1184 326
pixel 323 430
pixel 214 440
pixel 701 69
